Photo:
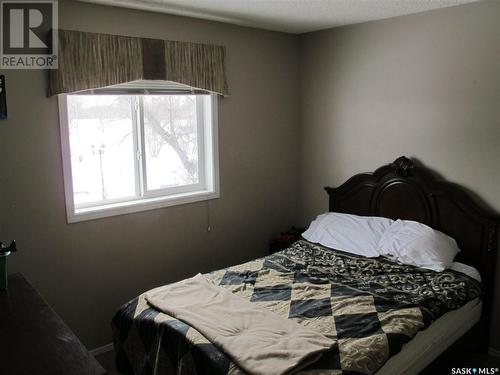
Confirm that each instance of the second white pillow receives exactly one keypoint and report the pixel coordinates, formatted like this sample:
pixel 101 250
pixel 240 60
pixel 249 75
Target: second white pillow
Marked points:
pixel 416 244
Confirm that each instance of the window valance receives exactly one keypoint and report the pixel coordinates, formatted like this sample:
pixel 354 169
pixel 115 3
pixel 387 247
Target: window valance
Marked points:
pixel 90 60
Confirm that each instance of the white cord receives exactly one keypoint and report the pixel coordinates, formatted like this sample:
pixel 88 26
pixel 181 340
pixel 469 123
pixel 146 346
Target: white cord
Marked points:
pixel 209 228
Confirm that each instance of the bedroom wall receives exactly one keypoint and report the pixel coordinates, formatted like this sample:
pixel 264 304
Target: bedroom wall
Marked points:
pixel 425 85
pixel 87 270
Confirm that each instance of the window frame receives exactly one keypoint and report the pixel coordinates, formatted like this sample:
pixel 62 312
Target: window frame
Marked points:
pixel 208 156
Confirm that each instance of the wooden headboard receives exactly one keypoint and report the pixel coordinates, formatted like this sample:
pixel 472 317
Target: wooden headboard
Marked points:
pixel 406 190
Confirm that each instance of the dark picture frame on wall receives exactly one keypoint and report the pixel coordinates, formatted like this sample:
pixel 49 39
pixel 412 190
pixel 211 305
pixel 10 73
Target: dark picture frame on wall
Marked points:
pixel 3 99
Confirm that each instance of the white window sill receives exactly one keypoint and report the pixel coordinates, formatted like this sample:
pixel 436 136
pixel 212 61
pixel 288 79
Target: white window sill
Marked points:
pixel 138 205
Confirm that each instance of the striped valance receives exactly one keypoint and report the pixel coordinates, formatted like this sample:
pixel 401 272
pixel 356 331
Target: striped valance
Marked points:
pixel 90 60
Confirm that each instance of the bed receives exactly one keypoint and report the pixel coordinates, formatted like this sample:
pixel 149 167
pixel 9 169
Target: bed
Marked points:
pixel 408 314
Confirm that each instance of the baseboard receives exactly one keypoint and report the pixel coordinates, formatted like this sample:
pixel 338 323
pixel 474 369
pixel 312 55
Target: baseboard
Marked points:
pixel 102 349
pixel 494 352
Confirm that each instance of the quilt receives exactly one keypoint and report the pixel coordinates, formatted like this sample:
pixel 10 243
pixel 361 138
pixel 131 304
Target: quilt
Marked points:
pixel 369 308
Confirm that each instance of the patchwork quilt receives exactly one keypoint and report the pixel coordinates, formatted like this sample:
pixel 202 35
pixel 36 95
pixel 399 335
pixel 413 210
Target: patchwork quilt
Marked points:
pixel 369 307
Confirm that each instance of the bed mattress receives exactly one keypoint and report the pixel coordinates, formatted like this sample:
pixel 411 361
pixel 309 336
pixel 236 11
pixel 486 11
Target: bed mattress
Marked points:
pixel 428 344
pixel 370 307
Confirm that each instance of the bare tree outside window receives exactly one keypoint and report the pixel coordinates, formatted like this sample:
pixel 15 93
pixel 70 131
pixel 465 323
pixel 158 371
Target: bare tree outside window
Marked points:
pixel 170 126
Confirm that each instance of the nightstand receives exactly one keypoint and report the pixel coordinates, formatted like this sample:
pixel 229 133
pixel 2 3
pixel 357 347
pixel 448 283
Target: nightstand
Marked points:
pixel 285 239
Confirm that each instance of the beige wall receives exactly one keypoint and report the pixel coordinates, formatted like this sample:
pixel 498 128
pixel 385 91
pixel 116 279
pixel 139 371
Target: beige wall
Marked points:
pixel 424 85
pixel 86 270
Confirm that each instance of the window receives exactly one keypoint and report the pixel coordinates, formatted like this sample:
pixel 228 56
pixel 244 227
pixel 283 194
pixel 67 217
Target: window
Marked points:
pixel 128 149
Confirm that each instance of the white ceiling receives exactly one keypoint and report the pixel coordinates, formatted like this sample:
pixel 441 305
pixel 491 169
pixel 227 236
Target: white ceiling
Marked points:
pixel 292 16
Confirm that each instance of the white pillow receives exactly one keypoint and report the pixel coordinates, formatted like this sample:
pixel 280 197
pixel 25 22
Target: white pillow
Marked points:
pixel 351 233
pixel 416 244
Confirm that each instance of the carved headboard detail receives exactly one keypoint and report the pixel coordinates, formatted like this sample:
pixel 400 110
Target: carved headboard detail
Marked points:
pixel 405 190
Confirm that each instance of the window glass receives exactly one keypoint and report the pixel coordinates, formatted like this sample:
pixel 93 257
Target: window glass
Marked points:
pixel 171 140
pixel 102 147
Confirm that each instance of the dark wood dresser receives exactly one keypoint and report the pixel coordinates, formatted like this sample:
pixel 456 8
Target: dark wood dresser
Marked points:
pixel 33 338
